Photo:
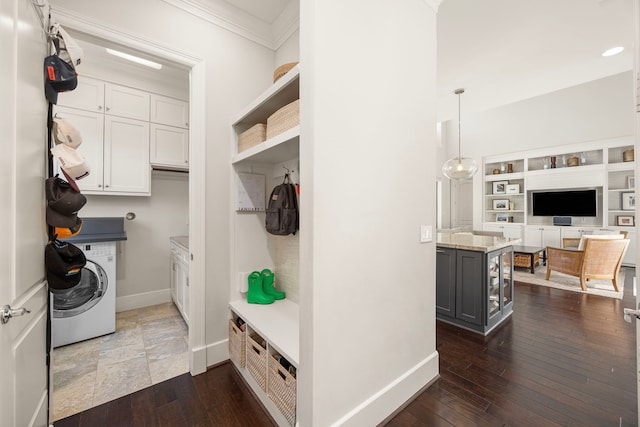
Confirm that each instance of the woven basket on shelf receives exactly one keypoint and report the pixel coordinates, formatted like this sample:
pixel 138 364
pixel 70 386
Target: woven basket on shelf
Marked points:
pixel 252 136
pixel 237 341
pixel 282 70
pixel 257 360
pixel 282 390
pixel 283 119
pixel 628 155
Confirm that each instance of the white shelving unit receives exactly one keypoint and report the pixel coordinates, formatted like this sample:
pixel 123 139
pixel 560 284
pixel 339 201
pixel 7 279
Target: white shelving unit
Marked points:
pixel 600 165
pixel 277 324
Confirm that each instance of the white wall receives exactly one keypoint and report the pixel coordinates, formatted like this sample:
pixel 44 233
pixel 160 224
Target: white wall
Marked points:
pixel 596 110
pixel 236 70
pixel 368 142
pixel 143 259
pixel 289 51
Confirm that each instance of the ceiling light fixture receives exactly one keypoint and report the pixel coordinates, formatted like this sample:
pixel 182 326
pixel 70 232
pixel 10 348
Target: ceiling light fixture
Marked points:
pixel 459 168
pixel 613 51
pixel 135 59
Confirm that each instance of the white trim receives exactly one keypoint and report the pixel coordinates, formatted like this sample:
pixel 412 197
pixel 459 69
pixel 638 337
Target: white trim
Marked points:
pixel 286 24
pixel 145 299
pixel 230 18
pixel 434 4
pixel 197 160
pixel 217 352
pixel 383 403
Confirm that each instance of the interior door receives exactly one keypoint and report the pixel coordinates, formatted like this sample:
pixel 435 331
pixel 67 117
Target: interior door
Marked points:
pixel 23 369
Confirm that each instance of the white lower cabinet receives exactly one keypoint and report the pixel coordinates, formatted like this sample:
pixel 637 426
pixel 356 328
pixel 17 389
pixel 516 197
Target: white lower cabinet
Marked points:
pixel 180 279
pixel 509 231
pixel 542 236
pixel 263 345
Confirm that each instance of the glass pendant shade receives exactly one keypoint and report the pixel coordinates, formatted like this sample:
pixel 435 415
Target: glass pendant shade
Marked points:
pixel 459 168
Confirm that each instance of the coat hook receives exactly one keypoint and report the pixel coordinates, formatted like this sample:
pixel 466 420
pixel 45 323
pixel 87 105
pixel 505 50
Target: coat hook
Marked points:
pixel 287 169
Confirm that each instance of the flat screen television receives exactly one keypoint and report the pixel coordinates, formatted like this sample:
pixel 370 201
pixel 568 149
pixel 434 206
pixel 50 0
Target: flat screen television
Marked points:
pixel 565 203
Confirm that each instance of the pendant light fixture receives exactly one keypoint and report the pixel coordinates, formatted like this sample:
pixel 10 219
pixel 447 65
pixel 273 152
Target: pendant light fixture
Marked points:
pixel 459 168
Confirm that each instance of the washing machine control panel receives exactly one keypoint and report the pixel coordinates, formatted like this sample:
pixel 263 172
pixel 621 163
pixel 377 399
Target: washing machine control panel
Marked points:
pixel 98 249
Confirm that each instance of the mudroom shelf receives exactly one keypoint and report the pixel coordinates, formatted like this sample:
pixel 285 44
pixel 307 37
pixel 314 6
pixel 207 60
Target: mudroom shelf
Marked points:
pixel 277 323
pixel 281 147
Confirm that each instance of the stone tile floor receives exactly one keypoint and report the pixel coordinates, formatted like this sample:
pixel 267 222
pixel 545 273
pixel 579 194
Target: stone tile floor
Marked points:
pixel 148 347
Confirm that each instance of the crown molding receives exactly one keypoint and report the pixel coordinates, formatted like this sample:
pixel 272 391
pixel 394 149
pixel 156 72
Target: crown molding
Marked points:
pixel 233 19
pixel 97 28
pixel 434 4
pixel 286 24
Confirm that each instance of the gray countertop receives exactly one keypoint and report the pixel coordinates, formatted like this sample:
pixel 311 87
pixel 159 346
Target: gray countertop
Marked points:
pixel 473 242
pixel 181 240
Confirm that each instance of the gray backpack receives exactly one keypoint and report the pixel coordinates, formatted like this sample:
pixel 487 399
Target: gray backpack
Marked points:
pixel 282 212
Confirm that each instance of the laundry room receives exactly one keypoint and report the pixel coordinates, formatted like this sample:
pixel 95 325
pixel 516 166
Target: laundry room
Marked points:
pixel 131 111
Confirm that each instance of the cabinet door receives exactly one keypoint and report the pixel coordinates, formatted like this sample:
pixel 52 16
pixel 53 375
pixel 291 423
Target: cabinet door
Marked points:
pixel 446 281
pixel 174 279
pixel 551 237
pixel 126 155
pixel 184 282
pixel 469 284
pixel 533 236
pixel 169 111
pixel 512 231
pixel 88 95
pixel 126 102
pixel 169 146
pixel 91 126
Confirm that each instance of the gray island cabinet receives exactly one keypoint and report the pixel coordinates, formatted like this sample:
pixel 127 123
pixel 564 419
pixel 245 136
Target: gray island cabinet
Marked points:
pixel 474 280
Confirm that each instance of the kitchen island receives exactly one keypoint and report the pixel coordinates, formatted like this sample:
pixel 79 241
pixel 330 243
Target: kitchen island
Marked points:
pixel 474 280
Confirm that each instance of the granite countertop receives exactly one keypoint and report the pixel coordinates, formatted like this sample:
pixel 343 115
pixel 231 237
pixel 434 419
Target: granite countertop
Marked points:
pixel 181 240
pixel 473 242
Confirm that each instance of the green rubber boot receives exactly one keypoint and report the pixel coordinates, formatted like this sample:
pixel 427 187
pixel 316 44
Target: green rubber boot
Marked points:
pixel 267 285
pixel 256 295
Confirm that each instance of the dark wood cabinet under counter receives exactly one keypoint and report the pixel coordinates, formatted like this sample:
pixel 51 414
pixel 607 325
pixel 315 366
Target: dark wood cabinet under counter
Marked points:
pixel 474 282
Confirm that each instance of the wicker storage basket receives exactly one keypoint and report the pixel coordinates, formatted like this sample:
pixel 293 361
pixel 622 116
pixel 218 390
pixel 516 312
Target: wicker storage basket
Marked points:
pixel 283 119
pixel 252 136
pixel 628 155
pixel 257 360
pixel 524 260
pixel 237 344
pixel 282 390
pixel 282 70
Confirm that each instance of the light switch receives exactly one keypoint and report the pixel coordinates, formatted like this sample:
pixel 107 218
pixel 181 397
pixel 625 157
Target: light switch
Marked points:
pixel 426 234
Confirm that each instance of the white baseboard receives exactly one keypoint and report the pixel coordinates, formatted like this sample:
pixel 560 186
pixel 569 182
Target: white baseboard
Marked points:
pixel 146 299
pixel 217 352
pixel 382 404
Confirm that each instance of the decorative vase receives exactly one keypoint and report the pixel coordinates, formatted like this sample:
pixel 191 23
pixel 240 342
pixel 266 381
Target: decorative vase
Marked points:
pixel 510 168
pixel 553 162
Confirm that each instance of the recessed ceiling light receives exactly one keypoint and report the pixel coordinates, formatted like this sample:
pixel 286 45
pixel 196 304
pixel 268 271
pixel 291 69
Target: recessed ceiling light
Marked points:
pixel 613 51
pixel 135 59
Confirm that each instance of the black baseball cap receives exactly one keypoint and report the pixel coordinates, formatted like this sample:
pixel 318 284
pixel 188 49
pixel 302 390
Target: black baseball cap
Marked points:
pixel 59 76
pixel 63 203
pixel 63 264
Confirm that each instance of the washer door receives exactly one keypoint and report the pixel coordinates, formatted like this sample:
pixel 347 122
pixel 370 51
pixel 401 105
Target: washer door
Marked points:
pixel 93 285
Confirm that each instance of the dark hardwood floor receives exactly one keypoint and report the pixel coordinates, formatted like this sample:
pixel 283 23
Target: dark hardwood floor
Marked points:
pixel 563 359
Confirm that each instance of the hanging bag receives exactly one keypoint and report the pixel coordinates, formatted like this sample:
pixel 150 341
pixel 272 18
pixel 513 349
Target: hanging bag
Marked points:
pixel 282 211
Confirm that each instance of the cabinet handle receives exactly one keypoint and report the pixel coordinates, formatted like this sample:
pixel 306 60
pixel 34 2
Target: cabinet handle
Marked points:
pixel 439 251
pixel 99 107
pixel 108 108
pixel 106 186
pixel 99 185
pixel 186 124
pixel 186 161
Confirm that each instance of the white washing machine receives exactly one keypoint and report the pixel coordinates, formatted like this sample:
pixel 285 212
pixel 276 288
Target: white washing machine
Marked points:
pixel 89 309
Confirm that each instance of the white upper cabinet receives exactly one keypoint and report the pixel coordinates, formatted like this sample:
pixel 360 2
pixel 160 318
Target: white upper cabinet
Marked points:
pixel 88 95
pixel 91 127
pixel 126 155
pixel 169 147
pixel 127 102
pixel 169 111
